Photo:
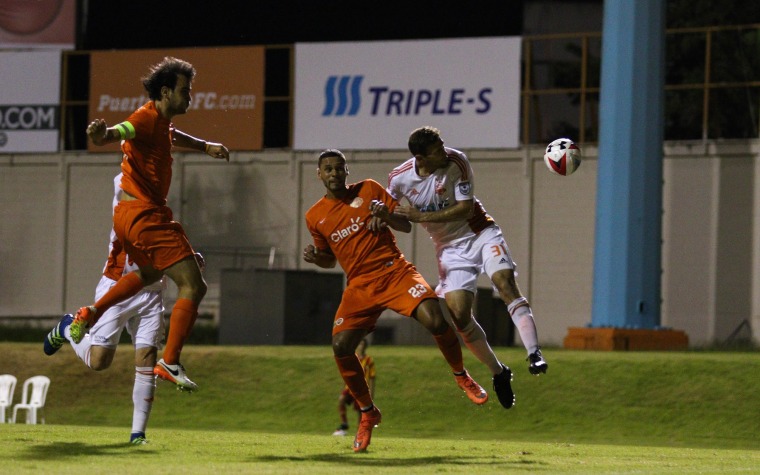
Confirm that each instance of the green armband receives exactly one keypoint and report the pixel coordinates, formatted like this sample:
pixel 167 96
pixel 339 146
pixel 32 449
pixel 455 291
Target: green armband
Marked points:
pixel 126 130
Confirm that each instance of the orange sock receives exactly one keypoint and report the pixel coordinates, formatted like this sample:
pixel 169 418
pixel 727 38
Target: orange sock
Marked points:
pixel 181 322
pixel 353 374
pixel 124 288
pixel 449 346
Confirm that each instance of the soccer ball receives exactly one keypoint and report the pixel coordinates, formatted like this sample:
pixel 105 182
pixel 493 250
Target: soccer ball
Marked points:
pixel 562 157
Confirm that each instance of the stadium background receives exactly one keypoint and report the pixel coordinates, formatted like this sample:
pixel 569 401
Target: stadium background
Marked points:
pixel 54 228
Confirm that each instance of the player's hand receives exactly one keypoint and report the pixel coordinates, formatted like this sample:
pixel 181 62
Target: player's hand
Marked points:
pixel 310 254
pixel 408 212
pixel 217 150
pixel 376 224
pixel 97 131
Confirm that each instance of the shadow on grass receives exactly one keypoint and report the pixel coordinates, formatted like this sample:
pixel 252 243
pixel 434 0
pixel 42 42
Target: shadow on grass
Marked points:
pixel 64 450
pixel 366 459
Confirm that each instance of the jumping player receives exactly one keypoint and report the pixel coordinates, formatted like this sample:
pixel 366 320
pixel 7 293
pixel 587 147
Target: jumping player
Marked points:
pixel 141 315
pixel 438 183
pixel 142 221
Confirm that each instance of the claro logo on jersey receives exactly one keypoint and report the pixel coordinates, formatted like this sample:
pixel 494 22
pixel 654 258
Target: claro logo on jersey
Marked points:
pixel 344 96
pixel 356 225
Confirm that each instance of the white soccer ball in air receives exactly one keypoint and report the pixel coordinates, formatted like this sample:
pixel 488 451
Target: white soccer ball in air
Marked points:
pixel 562 157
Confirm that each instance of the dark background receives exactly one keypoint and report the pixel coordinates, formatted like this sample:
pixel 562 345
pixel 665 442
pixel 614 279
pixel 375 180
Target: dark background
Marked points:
pixel 174 23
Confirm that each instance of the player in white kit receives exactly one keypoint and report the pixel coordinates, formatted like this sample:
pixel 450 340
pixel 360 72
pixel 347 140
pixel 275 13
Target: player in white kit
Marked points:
pixel 438 184
pixel 141 315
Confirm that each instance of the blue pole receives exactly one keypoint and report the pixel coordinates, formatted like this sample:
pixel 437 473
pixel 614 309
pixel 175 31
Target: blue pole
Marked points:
pixel 627 267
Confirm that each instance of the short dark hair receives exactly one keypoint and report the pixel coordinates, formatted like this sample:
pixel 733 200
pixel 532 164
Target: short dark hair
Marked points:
pixel 330 152
pixel 421 139
pixel 165 74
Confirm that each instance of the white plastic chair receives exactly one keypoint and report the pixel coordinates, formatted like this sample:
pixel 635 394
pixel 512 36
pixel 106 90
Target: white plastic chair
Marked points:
pixel 7 388
pixel 33 398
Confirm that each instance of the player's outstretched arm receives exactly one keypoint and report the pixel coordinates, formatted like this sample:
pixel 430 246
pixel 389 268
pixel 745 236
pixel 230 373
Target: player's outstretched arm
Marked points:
pixel 214 149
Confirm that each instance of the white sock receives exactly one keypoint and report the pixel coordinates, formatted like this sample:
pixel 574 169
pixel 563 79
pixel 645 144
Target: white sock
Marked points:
pixel 475 339
pixel 142 397
pixel 82 349
pixel 521 314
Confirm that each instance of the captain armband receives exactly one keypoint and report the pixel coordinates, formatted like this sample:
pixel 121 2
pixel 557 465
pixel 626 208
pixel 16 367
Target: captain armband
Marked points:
pixel 126 130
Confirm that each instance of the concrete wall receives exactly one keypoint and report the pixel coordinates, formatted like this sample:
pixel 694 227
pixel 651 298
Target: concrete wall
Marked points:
pixel 55 218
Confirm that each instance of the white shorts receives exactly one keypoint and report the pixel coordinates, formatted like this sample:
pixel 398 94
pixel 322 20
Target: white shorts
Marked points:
pixel 460 263
pixel 142 316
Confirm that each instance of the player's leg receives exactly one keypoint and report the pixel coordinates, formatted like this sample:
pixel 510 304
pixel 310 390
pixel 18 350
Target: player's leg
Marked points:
pixel 142 392
pixel 429 314
pixel 500 268
pixel 522 316
pixel 459 303
pixel 97 348
pixel 126 287
pixel 344 346
pixel 147 330
pixel 191 286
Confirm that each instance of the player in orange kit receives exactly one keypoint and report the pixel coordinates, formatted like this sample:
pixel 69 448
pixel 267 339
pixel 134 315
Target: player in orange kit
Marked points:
pixel 350 225
pixel 142 221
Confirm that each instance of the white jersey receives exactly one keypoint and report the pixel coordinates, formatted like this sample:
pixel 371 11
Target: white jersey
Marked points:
pixel 441 189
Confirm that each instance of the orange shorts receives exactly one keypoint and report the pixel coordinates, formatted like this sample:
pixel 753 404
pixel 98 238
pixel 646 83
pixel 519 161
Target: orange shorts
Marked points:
pixel 364 299
pixel 150 235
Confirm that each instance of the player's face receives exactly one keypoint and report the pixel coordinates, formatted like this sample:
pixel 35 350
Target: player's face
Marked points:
pixel 179 97
pixel 435 156
pixel 333 171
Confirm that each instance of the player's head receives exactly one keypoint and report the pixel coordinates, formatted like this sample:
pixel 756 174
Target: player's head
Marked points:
pixel 420 140
pixel 332 170
pixel 426 145
pixel 171 81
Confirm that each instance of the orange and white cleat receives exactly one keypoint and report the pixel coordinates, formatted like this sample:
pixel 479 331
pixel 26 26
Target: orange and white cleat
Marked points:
pixel 369 421
pixel 174 373
pixel 474 391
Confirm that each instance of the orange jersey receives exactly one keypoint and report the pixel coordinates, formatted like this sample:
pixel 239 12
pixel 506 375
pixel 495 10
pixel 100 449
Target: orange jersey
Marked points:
pixel 147 162
pixel 341 226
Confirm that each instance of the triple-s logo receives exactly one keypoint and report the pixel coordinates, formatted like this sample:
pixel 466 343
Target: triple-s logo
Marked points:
pixel 344 94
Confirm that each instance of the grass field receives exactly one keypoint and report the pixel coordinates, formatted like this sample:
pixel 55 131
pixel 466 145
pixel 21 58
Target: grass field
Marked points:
pixel 272 410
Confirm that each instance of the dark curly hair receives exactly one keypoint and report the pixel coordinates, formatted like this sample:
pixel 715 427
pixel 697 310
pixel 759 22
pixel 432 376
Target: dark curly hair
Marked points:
pixel 165 74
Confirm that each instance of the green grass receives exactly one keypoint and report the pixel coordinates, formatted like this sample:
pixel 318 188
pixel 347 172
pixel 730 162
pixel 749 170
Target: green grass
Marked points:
pixel 271 410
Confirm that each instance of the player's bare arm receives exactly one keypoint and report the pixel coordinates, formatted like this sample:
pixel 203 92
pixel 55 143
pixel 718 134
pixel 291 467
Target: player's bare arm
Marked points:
pixel 459 211
pixel 323 258
pixel 381 218
pixel 214 149
pixel 101 134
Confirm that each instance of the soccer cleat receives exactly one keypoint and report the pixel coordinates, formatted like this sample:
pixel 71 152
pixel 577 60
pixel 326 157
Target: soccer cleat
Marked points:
pixel 341 430
pixel 537 364
pixel 84 319
pixel 55 339
pixel 369 421
pixel 503 387
pixel 138 438
pixel 474 391
pixel 174 373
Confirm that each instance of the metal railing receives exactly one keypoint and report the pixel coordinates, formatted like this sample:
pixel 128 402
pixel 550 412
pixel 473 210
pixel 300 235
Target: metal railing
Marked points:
pixel 712 87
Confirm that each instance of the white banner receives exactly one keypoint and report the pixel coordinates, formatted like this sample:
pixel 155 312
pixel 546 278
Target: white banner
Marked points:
pixel 372 95
pixel 29 101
